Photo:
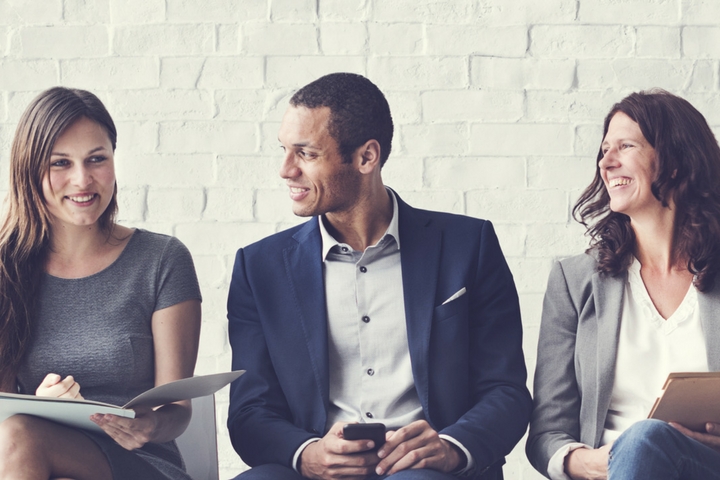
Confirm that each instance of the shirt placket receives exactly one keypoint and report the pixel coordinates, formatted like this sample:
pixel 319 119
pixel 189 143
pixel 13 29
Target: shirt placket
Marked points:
pixel 363 279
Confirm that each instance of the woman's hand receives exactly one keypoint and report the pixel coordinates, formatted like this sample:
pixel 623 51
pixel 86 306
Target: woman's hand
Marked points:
pixel 176 333
pixel 129 433
pixel 149 425
pixel 710 439
pixel 53 385
pixel 588 463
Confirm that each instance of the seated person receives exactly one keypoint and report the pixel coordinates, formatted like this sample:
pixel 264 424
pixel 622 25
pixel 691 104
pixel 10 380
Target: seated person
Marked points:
pixel 87 302
pixel 372 311
pixel 639 304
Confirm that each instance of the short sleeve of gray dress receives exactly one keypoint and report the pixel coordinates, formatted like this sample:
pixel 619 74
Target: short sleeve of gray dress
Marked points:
pixel 98 329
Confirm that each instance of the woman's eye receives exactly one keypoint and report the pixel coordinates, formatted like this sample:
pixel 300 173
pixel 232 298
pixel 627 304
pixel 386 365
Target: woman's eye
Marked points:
pixel 59 163
pixel 97 159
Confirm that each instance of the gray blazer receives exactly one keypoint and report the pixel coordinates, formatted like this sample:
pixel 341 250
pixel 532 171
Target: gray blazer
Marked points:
pixel 577 351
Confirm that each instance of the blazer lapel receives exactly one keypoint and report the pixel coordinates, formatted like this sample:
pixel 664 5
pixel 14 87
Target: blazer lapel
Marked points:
pixel 303 266
pixel 709 303
pixel 420 246
pixel 608 294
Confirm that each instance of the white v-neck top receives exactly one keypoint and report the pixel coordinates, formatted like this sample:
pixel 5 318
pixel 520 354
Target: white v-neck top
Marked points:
pixel 649 348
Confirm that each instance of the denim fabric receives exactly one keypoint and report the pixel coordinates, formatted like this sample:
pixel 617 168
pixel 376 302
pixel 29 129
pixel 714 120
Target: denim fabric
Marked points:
pixel 652 449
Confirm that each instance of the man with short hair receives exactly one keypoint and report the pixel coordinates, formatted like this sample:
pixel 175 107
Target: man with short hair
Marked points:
pixel 372 311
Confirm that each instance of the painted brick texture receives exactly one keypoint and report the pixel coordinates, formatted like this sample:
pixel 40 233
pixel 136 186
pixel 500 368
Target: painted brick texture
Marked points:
pixel 498 108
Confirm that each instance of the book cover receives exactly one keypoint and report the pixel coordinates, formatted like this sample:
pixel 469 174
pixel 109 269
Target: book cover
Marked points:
pixel 76 413
pixel 690 399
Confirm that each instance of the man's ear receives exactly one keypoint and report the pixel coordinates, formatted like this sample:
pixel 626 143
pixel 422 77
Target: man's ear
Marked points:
pixel 368 156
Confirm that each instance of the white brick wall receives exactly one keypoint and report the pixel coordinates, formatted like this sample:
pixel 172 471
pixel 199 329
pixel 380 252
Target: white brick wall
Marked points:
pixel 498 107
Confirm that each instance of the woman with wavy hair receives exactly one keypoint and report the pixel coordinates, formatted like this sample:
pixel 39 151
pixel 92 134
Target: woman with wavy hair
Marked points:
pixel 88 308
pixel 642 302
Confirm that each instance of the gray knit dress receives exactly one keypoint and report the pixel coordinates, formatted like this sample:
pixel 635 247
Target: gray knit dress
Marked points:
pixel 98 329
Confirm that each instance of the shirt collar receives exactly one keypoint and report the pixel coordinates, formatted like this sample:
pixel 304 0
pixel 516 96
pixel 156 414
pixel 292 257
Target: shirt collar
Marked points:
pixel 393 230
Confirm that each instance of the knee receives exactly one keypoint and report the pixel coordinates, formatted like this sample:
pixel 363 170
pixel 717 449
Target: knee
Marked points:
pixel 645 435
pixel 16 436
pixel 649 430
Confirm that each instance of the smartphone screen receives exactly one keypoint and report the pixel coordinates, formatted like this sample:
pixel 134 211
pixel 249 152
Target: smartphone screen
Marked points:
pixel 365 431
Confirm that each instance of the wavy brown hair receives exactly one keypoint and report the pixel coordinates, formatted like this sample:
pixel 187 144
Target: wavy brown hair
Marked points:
pixel 688 160
pixel 25 230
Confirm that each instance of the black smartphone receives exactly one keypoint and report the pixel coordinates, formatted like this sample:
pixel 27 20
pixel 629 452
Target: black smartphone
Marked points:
pixel 365 431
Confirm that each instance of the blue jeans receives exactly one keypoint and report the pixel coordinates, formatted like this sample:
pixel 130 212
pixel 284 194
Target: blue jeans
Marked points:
pixel 652 449
pixel 278 472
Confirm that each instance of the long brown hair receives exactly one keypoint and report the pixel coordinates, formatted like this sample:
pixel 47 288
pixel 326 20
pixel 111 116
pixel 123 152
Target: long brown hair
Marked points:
pixel 688 159
pixel 25 231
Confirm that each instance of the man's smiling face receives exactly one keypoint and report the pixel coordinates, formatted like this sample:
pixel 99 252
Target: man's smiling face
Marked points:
pixel 318 179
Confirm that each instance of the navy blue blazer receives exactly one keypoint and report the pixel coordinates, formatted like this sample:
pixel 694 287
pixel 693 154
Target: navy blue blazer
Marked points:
pixel 466 355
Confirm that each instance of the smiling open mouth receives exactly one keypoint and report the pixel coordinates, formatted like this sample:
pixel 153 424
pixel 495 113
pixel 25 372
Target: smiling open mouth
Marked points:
pixel 619 181
pixel 82 198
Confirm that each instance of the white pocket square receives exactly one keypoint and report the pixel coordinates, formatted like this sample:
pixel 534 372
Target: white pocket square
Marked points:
pixel 455 295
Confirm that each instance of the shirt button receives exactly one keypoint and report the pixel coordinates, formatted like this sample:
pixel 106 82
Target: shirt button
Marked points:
pixel 370 372
pixel 363 269
pixel 366 319
pixel 368 414
pixel 344 249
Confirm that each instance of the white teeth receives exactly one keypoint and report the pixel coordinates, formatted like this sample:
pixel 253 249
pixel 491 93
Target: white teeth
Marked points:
pixel 296 190
pixel 619 181
pixel 82 199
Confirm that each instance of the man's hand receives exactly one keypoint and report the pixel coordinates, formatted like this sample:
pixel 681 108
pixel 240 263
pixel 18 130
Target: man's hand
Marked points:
pixel 588 463
pixel 417 446
pixel 53 385
pixel 334 457
pixel 129 433
pixel 710 439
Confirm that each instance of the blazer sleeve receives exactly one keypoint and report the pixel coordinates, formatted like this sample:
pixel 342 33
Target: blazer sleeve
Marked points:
pixel 500 403
pixel 258 417
pixel 555 420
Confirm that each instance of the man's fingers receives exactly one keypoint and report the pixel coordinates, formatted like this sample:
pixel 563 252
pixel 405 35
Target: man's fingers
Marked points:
pixel 402 435
pixel 419 458
pixel 417 441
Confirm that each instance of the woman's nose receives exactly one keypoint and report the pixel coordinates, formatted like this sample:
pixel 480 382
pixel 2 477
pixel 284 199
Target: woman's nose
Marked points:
pixel 609 159
pixel 82 176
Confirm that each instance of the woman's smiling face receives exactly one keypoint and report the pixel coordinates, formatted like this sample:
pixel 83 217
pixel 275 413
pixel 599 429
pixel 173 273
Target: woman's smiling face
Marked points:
pixel 628 168
pixel 81 180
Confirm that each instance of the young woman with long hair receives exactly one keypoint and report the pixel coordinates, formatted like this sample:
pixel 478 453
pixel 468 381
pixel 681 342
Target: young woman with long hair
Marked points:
pixel 88 308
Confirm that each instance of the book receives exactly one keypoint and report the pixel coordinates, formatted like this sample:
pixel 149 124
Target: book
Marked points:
pixel 690 399
pixel 76 412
